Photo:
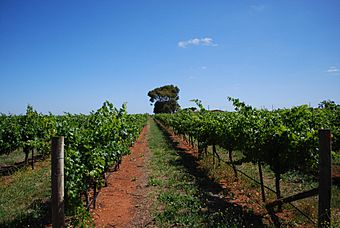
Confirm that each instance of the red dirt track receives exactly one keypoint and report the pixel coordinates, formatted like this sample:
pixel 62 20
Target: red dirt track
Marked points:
pixel 124 203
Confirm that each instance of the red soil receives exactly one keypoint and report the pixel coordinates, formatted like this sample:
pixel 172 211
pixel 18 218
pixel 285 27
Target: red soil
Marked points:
pixel 124 203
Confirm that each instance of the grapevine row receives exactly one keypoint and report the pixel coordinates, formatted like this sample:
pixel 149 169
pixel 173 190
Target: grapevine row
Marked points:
pixel 93 143
pixel 284 139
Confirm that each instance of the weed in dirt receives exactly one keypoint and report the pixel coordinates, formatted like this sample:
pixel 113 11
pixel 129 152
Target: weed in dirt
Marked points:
pixel 155 182
pixel 335 206
pixel 133 178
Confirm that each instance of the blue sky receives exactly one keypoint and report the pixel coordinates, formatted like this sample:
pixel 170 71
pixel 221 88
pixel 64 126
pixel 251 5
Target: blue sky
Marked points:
pixel 71 56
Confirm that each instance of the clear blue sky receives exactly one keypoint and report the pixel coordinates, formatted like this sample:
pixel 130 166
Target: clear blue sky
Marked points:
pixel 73 55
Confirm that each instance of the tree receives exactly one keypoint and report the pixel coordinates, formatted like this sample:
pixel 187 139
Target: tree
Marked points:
pixel 328 104
pixel 165 99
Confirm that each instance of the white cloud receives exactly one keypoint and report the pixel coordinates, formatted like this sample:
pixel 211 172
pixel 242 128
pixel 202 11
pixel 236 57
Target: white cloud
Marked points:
pixel 258 8
pixel 207 41
pixel 203 67
pixel 332 69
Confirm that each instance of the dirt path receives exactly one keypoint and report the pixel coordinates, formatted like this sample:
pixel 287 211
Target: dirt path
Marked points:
pixel 249 199
pixel 124 202
pixel 241 197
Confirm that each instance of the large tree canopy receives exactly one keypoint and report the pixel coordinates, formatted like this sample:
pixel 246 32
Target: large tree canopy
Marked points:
pixel 165 99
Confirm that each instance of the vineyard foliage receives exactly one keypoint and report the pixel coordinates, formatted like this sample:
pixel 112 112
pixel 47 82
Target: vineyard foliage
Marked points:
pixel 30 131
pixel 93 142
pixel 284 139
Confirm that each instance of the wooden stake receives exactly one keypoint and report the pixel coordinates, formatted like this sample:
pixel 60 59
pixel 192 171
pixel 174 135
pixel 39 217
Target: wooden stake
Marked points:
pixel 262 184
pixel 324 210
pixel 58 217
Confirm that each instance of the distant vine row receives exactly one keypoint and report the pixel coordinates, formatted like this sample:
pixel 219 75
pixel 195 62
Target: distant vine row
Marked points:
pixel 284 139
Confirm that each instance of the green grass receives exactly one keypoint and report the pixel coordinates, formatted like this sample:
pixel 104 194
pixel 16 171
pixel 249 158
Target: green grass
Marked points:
pixel 11 158
pixel 18 156
pixel 24 197
pixel 184 195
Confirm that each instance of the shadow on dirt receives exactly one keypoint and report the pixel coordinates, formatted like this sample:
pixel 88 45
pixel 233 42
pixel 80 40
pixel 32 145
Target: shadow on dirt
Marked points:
pixel 218 211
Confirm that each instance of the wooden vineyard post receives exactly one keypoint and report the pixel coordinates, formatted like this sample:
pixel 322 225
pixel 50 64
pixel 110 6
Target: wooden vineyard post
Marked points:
pixel 261 181
pixel 58 182
pixel 324 211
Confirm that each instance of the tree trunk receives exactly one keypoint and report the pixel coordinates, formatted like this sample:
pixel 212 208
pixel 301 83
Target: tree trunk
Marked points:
pixel 32 162
pixel 199 150
pixel 278 190
pixel 87 200
pixel 232 162
pixel 216 154
pixel 105 178
pixel 26 151
pixel 94 195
